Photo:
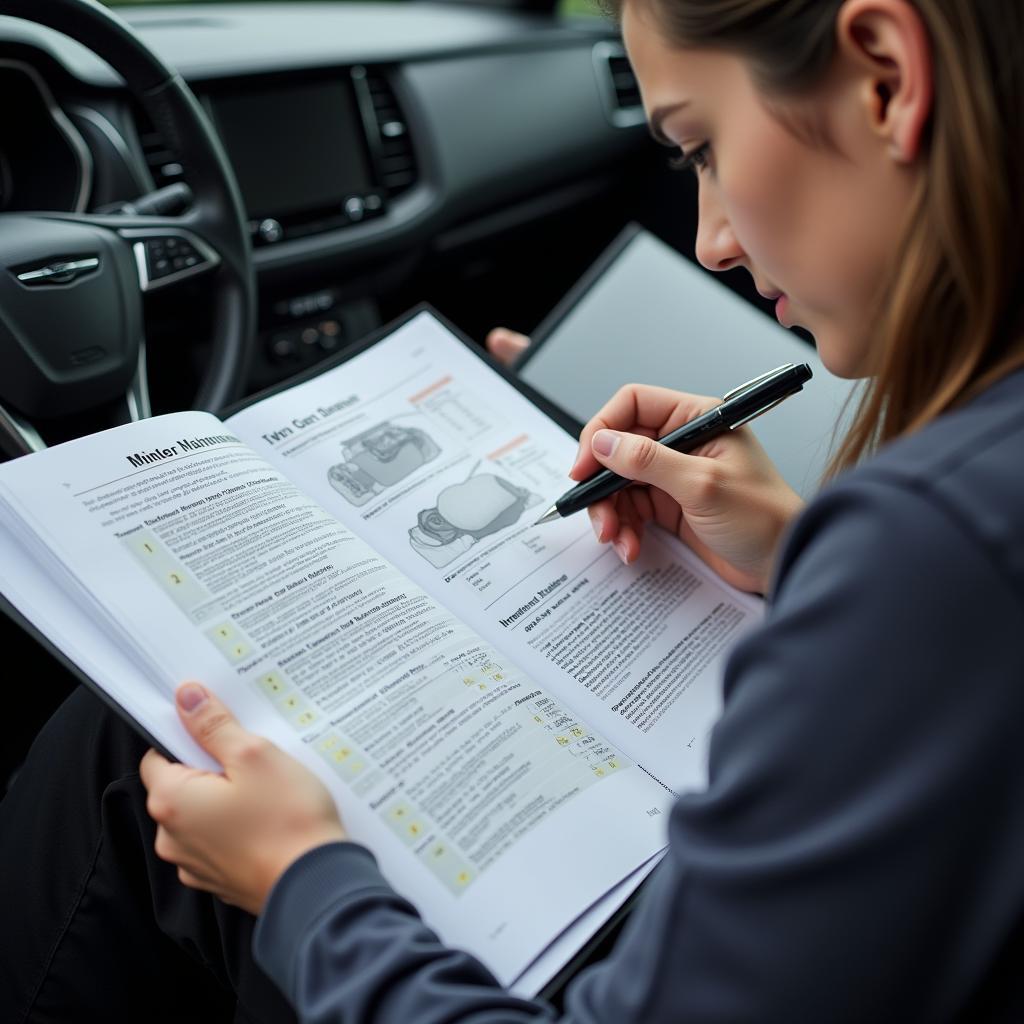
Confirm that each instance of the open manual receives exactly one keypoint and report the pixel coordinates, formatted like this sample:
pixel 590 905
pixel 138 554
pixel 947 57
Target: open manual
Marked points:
pixel 502 711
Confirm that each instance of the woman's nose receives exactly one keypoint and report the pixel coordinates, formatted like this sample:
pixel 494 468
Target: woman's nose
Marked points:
pixel 717 246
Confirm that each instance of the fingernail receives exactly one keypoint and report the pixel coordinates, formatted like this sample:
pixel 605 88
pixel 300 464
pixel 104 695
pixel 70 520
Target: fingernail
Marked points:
pixel 595 522
pixel 190 696
pixel 620 550
pixel 605 442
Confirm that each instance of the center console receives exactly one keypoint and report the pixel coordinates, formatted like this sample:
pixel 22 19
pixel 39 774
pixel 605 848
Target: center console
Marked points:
pixel 312 154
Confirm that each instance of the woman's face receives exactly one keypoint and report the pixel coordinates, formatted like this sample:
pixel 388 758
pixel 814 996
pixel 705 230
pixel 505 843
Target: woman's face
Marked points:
pixel 814 222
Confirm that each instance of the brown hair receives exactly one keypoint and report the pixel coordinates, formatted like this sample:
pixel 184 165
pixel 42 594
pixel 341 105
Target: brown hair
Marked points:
pixel 951 321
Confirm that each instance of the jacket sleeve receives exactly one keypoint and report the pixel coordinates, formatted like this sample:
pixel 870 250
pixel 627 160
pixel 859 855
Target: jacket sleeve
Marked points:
pixel 855 856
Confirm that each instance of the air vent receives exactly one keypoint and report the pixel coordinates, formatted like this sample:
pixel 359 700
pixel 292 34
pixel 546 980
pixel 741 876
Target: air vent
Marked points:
pixel 163 162
pixel 627 92
pixel 395 157
pixel 618 85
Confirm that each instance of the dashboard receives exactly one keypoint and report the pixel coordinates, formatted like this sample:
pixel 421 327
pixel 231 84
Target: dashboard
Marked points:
pixel 386 153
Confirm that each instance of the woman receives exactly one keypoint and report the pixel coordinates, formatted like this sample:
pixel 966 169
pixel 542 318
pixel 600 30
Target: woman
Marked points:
pixel 857 853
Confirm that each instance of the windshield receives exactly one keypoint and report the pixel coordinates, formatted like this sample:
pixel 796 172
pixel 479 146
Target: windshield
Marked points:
pixel 565 7
pixel 139 3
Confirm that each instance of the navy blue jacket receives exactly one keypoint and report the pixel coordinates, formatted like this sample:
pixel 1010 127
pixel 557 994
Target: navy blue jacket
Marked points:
pixel 858 854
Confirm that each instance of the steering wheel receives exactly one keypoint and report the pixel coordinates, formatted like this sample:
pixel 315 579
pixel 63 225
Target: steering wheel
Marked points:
pixel 72 285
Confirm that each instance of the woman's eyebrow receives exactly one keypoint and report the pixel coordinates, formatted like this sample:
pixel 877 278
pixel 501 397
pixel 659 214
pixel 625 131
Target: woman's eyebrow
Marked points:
pixel 658 117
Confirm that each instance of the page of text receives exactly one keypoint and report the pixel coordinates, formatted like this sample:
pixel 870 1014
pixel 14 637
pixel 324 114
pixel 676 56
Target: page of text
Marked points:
pixel 442 466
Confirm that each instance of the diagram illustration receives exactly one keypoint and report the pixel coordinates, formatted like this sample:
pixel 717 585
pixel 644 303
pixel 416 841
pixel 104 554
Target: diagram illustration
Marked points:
pixel 378 458
pixel 466 513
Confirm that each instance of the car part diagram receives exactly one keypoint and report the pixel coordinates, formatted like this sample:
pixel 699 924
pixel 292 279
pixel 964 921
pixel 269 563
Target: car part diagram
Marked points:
pixel 378 458
pixel 465 513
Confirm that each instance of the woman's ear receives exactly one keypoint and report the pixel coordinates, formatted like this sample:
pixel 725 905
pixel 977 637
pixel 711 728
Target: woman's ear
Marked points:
pixel 887 45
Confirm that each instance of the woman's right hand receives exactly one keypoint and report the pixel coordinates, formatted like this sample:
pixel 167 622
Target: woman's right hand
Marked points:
pixel 725 500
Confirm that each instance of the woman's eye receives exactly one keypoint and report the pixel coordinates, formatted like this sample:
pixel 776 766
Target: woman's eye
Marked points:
pixel 696 159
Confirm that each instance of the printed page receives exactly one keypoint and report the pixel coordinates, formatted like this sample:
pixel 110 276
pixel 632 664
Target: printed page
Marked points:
pixel 201 561
pixel 443 467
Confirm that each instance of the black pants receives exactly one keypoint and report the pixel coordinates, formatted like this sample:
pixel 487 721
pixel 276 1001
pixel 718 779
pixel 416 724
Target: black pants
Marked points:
pixel 94 926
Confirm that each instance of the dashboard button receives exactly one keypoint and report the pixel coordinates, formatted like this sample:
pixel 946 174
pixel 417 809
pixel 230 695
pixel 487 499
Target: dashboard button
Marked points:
pixel 283 348
pixel 270 231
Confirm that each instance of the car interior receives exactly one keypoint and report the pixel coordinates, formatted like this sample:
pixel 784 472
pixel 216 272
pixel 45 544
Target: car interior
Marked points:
pixel 200 200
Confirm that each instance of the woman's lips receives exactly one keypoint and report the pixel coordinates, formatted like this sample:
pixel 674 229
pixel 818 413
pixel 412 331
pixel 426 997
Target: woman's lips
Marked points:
pixel 781 303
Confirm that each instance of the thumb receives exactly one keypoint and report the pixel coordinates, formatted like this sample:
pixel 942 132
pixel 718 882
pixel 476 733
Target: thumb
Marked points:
pixel 210 723
pixel 644 460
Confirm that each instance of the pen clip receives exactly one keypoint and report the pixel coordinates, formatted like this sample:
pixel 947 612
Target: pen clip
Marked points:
pixel 753 383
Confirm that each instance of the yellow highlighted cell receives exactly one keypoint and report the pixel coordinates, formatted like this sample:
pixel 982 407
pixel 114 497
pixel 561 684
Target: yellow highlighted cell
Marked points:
pixel 272 683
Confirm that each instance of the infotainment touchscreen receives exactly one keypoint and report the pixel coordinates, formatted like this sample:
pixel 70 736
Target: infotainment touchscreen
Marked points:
pixel 295 148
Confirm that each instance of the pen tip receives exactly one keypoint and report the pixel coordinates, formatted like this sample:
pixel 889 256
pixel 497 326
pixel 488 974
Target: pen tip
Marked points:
pixel 552 513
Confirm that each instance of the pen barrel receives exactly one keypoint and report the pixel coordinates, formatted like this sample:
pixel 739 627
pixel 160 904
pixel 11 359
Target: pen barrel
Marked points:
pixel 606 483
pixel 602 486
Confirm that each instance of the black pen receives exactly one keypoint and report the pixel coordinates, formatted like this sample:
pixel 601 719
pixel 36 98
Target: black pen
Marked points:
pixel 739 406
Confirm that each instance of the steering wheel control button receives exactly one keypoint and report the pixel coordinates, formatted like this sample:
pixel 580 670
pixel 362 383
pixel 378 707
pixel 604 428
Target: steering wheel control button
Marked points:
pixel 165 259
pixel 166 256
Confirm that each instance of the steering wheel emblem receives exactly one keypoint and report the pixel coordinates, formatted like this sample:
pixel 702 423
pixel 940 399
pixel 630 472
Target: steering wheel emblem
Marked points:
pixel 59 271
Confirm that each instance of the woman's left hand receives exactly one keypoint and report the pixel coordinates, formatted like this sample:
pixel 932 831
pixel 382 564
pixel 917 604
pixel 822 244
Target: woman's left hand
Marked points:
pixel 234 834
